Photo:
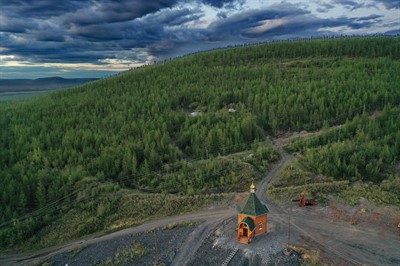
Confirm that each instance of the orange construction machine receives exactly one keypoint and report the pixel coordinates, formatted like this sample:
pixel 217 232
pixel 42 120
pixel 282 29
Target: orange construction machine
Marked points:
pixel 304 200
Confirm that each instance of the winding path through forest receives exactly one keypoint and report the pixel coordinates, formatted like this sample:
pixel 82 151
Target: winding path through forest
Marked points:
pixel 341 241
pixel 344 243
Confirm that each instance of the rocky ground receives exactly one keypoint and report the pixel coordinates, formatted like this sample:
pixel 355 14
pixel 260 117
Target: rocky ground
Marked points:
pixel 136 249
pixel 265 249
pixel 340 234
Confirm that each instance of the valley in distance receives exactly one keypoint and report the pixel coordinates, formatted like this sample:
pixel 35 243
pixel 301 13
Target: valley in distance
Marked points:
pixel 14 89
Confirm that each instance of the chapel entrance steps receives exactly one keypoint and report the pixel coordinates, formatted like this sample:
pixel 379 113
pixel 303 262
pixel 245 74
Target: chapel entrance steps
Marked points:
pixel 243 240
pixel 230 257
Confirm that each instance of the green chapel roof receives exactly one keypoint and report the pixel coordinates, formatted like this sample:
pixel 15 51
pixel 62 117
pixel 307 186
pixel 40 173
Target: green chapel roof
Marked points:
pixel 252 206
pixel 249 222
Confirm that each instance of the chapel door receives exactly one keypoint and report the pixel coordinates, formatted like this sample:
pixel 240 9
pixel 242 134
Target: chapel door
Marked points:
pixel 244 231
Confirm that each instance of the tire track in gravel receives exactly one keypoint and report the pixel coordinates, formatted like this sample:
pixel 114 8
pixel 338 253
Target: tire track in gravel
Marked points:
pixel 352 246
pixel 281 215
pixel 211 216
pixel 197 238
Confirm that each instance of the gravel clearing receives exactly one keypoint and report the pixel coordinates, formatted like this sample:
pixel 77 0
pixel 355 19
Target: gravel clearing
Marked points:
pixel 266 249
pixel 168 242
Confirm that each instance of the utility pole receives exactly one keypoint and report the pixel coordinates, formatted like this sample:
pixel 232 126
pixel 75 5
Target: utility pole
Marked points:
pixel 288 242
pixel 288 252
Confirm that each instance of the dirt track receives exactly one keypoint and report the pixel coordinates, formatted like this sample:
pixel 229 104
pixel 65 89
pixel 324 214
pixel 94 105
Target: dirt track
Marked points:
pixel 339 242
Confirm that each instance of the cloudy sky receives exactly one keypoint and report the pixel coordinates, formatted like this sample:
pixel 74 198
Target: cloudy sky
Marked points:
pixel 95 38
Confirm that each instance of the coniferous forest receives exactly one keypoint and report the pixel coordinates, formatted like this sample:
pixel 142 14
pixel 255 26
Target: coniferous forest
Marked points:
pixel 200 124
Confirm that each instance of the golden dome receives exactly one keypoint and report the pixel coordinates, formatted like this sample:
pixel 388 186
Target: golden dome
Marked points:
pixel 252 187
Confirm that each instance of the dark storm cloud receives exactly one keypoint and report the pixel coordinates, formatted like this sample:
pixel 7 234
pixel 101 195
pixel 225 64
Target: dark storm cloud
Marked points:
pixel 139 32
pixel 80 12
pixel 127 10
pixel 389 4
pixel 370 17
pixel 41 8
pixel 222 3
pixel 172 17
pixel 49 37
pixel 278 22
pixel 115 11
pixel 48 32
pixel 307 26
pixel 324 7
pixel 16 25
pixel 350 4
pixel 235 25
pixel 57 52
pixel 89 42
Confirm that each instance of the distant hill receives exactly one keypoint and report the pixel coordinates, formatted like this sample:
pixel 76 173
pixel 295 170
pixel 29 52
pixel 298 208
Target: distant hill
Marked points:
pixel 51 83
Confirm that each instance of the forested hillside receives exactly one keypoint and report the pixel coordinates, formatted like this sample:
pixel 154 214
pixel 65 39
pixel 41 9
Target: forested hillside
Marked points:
pixel 358 159
pixel 172 127
pixel 364 149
